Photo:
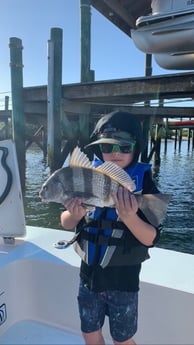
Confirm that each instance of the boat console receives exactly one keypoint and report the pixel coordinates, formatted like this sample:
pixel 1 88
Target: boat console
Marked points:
pixel 11 202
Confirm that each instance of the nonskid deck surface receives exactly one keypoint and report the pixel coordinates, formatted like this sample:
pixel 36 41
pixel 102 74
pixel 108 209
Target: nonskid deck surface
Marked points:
pixel 36 333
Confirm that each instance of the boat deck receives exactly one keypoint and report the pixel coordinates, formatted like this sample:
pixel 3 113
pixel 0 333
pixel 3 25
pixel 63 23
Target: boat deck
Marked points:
pixel 34 333
pixel 39 286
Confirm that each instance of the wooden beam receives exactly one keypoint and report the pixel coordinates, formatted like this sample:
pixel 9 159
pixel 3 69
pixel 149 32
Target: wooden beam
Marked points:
pixel 132 90
pixel 122 91
pixel 166 111
pixel 122 13
pixel 4 114
pixel 34 110
pixel 76 107
pixel 116 8
pixel 37 108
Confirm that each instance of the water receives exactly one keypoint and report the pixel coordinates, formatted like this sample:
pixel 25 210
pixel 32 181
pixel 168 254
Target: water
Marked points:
pixel 175 176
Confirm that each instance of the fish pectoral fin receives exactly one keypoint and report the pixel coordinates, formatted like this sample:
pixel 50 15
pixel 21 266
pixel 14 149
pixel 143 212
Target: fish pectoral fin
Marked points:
pixel 88 207
pixel 154 206
pixel 79 159
pixel 117 174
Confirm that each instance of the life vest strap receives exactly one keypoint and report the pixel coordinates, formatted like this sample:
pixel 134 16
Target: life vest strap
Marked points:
pixel 106 224
pixel 103 240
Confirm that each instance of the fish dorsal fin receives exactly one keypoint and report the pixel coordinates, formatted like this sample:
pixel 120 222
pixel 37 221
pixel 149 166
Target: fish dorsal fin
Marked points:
pixel 117 174
pixel 79 159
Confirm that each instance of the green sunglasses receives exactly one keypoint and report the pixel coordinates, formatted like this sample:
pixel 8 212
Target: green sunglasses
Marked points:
pixel 110 148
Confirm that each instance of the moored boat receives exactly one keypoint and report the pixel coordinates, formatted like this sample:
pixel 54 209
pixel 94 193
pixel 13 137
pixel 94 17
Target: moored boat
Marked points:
pixel 176 61
pixel 182 123
pixel 168 33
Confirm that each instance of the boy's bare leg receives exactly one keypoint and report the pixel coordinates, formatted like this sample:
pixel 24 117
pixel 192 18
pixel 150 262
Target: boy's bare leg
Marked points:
pixel 96 338
pixel 93 338
pixel 127 342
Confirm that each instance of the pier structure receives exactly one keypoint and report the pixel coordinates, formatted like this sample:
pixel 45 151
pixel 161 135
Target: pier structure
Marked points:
pixel 68 112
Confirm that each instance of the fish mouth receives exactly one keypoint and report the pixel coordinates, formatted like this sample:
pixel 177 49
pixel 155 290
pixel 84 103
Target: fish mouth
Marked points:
pixel 43 200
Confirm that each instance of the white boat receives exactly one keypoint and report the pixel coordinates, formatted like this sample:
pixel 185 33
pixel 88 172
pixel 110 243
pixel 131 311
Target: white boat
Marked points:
pixel 168 33
pixel 39 283
pixel 38 294
pixel 176 61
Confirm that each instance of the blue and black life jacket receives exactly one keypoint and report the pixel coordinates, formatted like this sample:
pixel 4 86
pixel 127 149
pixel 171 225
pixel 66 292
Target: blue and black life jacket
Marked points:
pixel 104 240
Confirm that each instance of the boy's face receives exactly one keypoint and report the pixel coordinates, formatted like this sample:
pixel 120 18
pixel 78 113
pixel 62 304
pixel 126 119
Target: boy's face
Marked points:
pixel 121 159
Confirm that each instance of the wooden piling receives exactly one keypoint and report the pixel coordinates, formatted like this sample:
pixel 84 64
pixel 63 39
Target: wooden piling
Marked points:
pixel 85 12
pixel 146 122
pixel 87 74
pixel 145 130
pixel 189 138
pixel 54 98
pixel 175 139
pixel 180 138
pixel 157 158
pixel 166 136
pixel 18 121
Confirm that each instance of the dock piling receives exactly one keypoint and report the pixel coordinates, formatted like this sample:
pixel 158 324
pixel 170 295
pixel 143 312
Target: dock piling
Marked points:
pixel 54 98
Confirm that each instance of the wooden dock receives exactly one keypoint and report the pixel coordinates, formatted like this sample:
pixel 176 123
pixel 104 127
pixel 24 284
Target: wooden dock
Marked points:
pixel 67 113
pixel 92 99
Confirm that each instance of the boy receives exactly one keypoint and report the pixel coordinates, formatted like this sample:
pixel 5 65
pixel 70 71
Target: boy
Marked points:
pixel 109 281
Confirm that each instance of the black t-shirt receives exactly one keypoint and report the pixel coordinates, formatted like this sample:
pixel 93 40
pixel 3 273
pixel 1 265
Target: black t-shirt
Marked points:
pixel 122 278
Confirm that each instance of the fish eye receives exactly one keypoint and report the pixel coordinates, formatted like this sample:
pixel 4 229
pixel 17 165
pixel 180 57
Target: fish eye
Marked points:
pixel 45 188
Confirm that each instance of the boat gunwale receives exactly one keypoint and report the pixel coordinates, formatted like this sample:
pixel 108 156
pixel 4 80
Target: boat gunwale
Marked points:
pixel 157 18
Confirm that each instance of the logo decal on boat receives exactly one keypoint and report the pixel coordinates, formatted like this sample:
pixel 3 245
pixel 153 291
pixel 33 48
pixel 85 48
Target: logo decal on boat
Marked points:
pixel 3 314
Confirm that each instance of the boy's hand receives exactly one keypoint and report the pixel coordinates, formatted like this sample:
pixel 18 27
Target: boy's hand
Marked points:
pixel 125 203
pixel 75 208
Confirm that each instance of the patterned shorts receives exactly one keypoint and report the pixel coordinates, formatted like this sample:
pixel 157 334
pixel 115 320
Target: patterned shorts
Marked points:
pixel 120 306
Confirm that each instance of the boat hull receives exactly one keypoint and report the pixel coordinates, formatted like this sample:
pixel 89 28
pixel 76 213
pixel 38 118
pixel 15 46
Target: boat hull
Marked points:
pixel 171 35
pixel 168 34
pixel 182 124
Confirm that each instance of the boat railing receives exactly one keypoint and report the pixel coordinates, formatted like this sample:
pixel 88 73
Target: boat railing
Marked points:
pixel 158 18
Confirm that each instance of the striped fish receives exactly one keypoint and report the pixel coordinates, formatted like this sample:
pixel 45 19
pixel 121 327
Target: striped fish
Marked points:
pixel 95 186
pixel 81 179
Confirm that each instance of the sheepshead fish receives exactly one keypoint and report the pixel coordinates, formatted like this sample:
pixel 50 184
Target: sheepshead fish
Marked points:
pixel 95 186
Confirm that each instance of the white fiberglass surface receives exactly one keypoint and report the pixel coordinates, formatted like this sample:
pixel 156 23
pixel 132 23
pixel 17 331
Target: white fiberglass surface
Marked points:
pixel 32 332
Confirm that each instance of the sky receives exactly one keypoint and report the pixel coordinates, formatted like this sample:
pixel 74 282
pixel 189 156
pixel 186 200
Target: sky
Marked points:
pixel 113 53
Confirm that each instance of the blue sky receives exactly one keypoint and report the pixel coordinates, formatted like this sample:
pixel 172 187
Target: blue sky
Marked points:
pixel 113 54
